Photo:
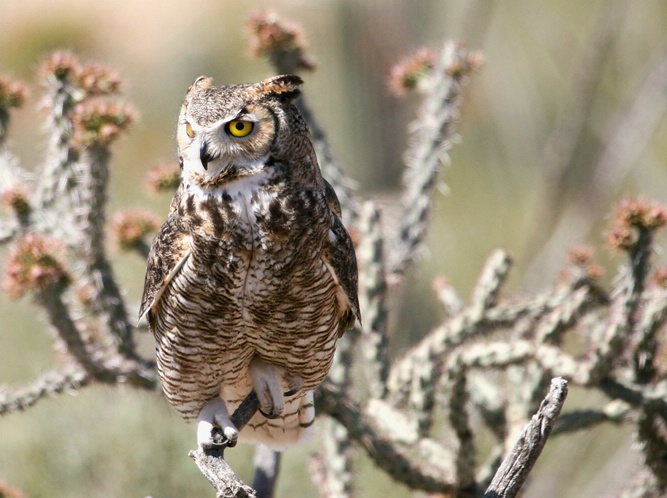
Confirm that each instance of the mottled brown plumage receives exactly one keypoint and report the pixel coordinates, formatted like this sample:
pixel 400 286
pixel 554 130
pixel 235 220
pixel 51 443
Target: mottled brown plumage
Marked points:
pixel 253 277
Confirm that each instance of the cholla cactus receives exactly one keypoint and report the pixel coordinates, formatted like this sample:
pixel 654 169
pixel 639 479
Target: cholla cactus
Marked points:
pixel 417 416
pixel 281 42
pixel 57 231
pixel 99 123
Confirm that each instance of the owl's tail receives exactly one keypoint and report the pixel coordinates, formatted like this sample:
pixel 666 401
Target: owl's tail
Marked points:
pixel 295 425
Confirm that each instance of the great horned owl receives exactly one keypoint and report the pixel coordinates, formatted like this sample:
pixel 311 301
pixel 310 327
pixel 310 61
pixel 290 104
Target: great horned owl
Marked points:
pixel 252 278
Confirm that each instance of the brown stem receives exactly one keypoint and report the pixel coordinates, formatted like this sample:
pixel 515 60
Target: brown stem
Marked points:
pixel 517 465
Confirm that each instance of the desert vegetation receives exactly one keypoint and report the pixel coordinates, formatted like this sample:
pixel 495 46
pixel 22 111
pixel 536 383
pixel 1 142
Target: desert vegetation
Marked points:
pixel 465 409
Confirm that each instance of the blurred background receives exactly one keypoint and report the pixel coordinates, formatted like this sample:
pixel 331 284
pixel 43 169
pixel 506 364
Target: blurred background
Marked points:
pixel 566 117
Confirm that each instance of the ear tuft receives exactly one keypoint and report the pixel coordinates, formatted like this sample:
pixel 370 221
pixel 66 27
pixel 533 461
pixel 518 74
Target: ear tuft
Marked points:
pixel 285 87
pixel 201 83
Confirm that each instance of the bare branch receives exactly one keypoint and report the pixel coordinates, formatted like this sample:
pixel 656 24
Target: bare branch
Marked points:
pixel 517 465
pixel 212 464
pixel 218 472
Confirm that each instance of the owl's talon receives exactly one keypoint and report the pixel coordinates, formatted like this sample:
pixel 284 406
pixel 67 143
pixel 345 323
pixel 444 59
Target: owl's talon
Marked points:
pixel 217 440
pixel 215 429
pixel 215 445
pixel 270 416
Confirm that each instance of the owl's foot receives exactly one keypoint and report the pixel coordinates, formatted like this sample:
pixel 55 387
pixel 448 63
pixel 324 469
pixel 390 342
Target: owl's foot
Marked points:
pixel 267 381
pixel 214 426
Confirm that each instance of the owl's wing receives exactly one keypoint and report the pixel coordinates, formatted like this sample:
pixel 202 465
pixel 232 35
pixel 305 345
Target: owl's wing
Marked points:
pixel 339 257
pixel 332 199
pixel 170 250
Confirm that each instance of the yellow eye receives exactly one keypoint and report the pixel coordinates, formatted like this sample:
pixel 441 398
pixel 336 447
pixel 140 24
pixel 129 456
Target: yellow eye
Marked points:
pixel 189 130
pixel 238 128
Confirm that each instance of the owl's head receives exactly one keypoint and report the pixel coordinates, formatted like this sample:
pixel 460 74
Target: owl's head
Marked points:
pixel 229 131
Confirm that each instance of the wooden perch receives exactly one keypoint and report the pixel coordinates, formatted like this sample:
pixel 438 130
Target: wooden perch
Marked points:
pixel 226 483
pixel 517 465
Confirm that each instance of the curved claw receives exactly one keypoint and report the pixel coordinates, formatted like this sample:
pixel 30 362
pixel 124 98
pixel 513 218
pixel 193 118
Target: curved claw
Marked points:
pixel 215 429
pixel 267 415
pixel 287 394
pixel 218 441
pixel 268 382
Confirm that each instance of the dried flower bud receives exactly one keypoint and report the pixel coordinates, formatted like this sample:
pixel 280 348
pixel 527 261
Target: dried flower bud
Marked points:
pixel 164 177
pixel 465 63
pixel 582 257
pixel 96 79
pixel 81 81
pixel 633 215
pixel 12 93
pixel 61 65
pixel 99 123
pixel 280 41
pixel 655 218
pixel 595 271
pixel 34 264
pixel 621 238
pixel 660 278
pixel 641 214
pixel 406 74
pixel 16 198
pixel 130 227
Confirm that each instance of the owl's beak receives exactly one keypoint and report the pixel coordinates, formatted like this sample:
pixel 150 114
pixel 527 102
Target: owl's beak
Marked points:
pixel 204 155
